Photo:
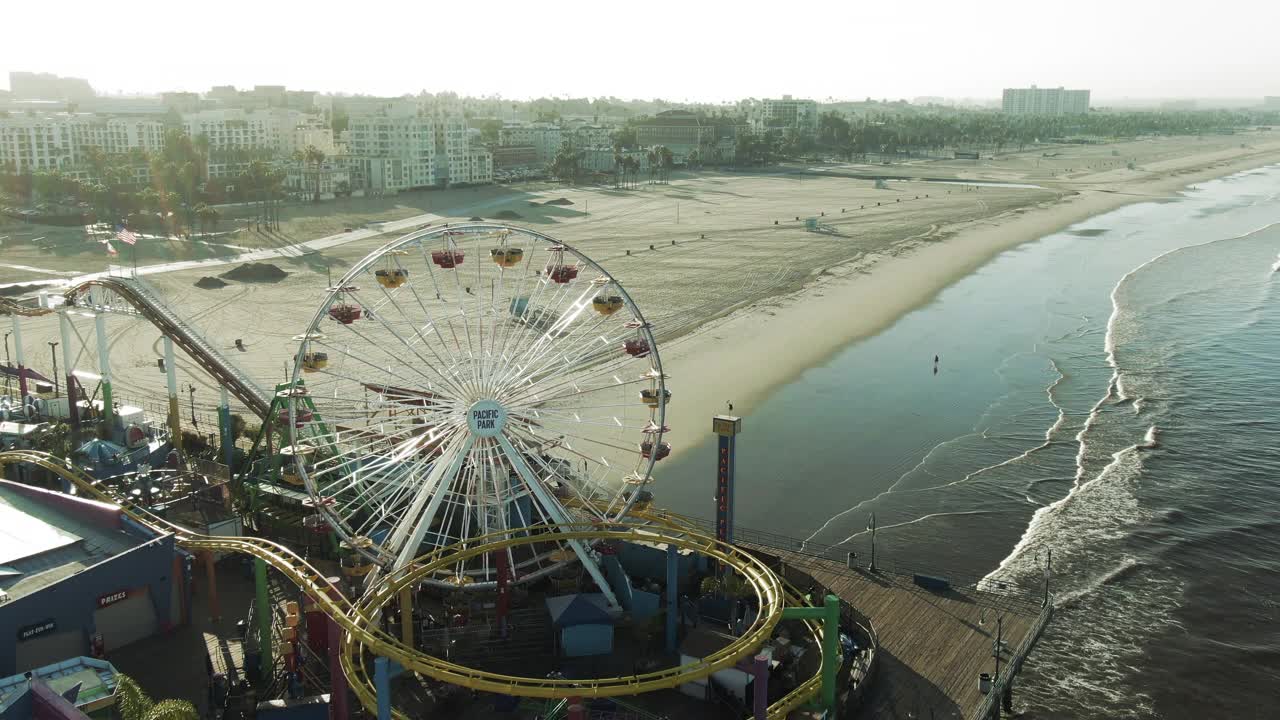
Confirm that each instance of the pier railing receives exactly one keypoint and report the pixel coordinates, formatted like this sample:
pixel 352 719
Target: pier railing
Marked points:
pixel 990 703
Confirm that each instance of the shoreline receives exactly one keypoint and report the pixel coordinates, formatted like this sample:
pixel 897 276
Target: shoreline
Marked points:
pixel 737 358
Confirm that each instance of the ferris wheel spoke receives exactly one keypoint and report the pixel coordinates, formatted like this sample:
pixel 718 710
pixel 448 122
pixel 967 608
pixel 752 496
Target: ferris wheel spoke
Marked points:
pixel 442 378
pixel 558 514
pixel 557 356
pixel 575 391
pixel 405 538
pixel 412 324
pixel 534 303
pixel 594 441
pixel 434 322
pixel 564 320
pixel 585 501
pixel 601 361
pixel 402 341
pixel 458 293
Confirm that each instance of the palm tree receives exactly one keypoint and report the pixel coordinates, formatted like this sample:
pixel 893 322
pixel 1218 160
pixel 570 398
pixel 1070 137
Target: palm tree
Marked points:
pixel 314 157
pixel 135 704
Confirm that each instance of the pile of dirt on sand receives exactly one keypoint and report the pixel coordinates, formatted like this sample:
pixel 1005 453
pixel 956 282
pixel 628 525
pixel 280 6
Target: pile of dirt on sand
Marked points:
pixel 477 218
pixel 559 201
pixel 255 272
pixel 16 290
pixel 210 283
pixel 507 215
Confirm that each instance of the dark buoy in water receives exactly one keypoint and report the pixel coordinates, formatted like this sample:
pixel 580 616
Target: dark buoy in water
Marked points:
pixel 935 359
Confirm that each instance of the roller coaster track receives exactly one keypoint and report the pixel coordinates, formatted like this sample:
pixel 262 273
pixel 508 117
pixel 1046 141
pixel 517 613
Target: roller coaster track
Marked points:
pixel 359 622
pixel 155 311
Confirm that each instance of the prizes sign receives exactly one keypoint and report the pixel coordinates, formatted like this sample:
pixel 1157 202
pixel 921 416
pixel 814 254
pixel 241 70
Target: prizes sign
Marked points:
pixel 112 598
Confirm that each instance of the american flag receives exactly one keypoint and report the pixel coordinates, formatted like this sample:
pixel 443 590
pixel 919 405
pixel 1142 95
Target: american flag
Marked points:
pixel 125 236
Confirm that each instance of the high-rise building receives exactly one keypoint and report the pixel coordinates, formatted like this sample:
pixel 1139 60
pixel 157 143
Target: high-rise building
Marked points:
pixel 62 141
pixel 1045 101
pixel 397 145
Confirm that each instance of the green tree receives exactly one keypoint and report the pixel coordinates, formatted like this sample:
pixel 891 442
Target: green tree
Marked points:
pixel 134 704
pixel 314 157
pixel 566 163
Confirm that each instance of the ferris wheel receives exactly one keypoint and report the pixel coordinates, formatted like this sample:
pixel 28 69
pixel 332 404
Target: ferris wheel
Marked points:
pixel 474 379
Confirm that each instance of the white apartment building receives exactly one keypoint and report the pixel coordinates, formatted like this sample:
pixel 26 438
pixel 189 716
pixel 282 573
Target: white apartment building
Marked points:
pixel 799 116
pixel 546 138
pixel 398 145
pixel 60 141
pixel 279 130
pixel 1045 101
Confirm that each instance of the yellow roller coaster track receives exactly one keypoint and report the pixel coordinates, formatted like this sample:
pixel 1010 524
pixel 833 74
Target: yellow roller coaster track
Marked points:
pixel 361 633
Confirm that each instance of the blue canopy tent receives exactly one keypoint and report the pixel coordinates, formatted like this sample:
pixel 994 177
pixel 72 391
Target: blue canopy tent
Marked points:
pixel 105 458
pixel 584 625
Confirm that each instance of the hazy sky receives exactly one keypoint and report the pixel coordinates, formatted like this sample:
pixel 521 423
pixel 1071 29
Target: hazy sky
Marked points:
pixel 690 49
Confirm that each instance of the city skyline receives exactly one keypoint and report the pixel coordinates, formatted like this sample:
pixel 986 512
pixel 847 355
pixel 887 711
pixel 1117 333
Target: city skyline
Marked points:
pixel 673 51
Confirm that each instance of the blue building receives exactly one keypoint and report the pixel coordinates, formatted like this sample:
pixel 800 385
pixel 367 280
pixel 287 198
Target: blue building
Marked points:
pixel 79 577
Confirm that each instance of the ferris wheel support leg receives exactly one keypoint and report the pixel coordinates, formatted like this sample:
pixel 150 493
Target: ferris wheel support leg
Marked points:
pixel 263 610
pixel 431 495
pixel 552 508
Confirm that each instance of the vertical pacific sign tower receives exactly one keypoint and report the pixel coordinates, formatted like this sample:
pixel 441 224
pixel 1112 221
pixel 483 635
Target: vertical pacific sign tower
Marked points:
pixel 727 428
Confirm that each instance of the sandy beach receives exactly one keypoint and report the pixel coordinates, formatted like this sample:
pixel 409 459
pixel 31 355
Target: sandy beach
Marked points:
pixel 742 297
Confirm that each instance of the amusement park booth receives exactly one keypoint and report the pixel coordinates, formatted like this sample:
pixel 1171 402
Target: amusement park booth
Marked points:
pixel 79 577
pixel 80 687
pixel 583 624
pixel 701 642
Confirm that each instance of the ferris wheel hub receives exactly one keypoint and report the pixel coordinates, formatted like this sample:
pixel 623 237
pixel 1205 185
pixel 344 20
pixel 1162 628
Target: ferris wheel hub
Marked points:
pixel 486 418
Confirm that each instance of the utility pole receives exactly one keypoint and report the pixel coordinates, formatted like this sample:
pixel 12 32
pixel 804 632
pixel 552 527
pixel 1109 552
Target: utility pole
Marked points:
pixel 53 350
pixel 191 390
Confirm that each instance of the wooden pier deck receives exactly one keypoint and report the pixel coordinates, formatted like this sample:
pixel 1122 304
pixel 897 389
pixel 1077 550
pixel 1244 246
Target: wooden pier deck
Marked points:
pixel 932 645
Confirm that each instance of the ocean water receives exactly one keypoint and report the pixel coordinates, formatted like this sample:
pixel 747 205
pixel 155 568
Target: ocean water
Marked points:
pixel 1108 396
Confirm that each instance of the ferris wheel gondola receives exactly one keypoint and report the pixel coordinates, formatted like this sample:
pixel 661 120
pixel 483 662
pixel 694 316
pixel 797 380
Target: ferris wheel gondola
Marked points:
pixel 475 398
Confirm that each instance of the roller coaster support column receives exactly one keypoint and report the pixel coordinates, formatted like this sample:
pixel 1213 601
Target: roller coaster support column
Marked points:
pixel 406 615
pixel 104 369
pixel 263 611
pixel 382 684
pixel 225 431
pixel 760 696
pixel 17 355
pixel 673 562
pixel 501 561
pixel 337 679
pixel 829 614
pixel 64 327
pixel 171 375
